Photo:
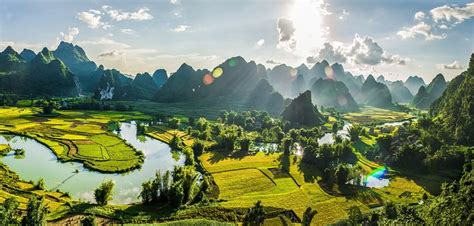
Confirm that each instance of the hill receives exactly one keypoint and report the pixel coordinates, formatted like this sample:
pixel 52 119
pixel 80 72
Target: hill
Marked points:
pixel 426 96
pixel 400 93
pixel 413 83
pixel 331 93
pixel 453 111
pixel 44 75
pixel 376 94
pixel 302 112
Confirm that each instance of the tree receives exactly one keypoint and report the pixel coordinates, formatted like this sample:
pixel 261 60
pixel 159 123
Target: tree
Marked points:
pixel 308 216
pixel 174 123
pixel 35 212
pixel 342 172
pixel 228 137
pixel 355 215
pixel 255 215
pixel 9 212
pixel 390 210
pixel 198 148
pixel 40 184
pixel 88 221
pixel 103 194
pixel 245 141
pixel 286 145
pixel 354 132
pixel 48 106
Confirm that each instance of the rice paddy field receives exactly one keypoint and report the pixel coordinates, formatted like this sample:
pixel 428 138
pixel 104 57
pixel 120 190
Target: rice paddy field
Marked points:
pixel 372 115
pixel 76 136
pixel 245 180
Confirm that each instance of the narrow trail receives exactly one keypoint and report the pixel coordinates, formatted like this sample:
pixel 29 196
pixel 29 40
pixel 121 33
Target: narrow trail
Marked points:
pixel 64 181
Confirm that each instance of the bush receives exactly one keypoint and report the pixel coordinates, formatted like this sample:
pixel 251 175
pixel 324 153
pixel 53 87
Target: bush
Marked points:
pixel 103 194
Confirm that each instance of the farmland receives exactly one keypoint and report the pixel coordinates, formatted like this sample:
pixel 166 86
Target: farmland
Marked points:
pixel 76 136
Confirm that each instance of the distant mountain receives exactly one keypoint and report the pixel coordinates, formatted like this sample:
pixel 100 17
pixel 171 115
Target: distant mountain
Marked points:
pixel 376 94
pixel 43 76
pixel 453 111
pixel 399 92
pixel 75 58
pixel 10 60
pixel 381 79
pixel 113 85
pixel 413 83
pixel 331 93
pixel 302 112
pixel 305 72
pixel 144 86
pixel 281 77
pixel 348 79
pixel 182 85
pixel 160 77
pixel 298 85
pixel 264 97
pixel 426 96
pixel 28 54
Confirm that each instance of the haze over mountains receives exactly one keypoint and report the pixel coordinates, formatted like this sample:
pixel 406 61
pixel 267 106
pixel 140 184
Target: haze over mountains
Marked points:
pixel 67 71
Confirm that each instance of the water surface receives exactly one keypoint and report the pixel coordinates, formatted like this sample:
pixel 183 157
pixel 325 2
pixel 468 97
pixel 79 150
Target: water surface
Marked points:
pixel 40 162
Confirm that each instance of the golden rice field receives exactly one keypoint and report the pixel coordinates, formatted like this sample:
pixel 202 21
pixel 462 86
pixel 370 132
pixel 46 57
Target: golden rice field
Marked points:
pixel 373 115
pixel 245 180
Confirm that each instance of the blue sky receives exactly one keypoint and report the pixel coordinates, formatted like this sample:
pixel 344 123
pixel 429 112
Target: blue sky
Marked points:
pixel 393 38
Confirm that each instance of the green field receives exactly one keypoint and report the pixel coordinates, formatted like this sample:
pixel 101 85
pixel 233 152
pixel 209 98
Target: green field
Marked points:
pixel 77 136
pixel 373 115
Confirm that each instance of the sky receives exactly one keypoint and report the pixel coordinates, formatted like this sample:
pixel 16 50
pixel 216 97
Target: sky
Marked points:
pixel 380 37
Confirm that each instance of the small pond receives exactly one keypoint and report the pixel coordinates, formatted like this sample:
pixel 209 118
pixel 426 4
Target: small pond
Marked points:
pixel 40 162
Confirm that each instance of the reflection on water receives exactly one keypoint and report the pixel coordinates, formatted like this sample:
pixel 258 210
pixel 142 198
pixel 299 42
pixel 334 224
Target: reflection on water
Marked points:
pixel 72 177
pixel 265 147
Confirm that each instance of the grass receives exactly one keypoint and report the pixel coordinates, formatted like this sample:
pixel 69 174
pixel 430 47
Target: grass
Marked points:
pixel 373 115
pixel 78 136
pixel 13 186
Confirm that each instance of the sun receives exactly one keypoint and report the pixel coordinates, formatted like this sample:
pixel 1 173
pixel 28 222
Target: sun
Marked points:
pixel 307 16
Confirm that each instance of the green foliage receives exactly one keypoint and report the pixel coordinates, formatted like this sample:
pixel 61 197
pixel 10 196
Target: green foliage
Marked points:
pixel 35 212
pixel 174 123
pixel 255 215
pixel 355 215
pixel 198 147
pixel 308 216
pixel 9 212
pixel 40 184
pixel 355 132
pixel 103 194
pixel 342 174
pixel 88 221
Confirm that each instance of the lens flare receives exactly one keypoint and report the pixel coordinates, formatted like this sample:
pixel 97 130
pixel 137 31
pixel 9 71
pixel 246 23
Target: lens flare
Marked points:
pixel 378 173
pixel 207 79
pixel 232 62
pixel 293 72
pixel 217 72
pixel 342 100
pixel 329 72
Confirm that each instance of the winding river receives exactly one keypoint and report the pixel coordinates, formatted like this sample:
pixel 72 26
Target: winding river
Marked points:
pixel 72 177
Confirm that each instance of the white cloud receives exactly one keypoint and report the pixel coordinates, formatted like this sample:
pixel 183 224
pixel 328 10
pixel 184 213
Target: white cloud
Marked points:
pixel 420 29
pixel 94 11
pixel 180 28
pixel 362 51
pixel 112 53
pixel 344 14
pixel 331 53
pixel 18 46
pixel 175 2
pixel 105 43
pixel 127 31
pixel 259 43
pixel 273 62
pixel 119 15
pixel 92 20
pixel 419 15
pixel 69 37
pixel 453 66
pixel 443 26
pixel 286 30
pixel 453 13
